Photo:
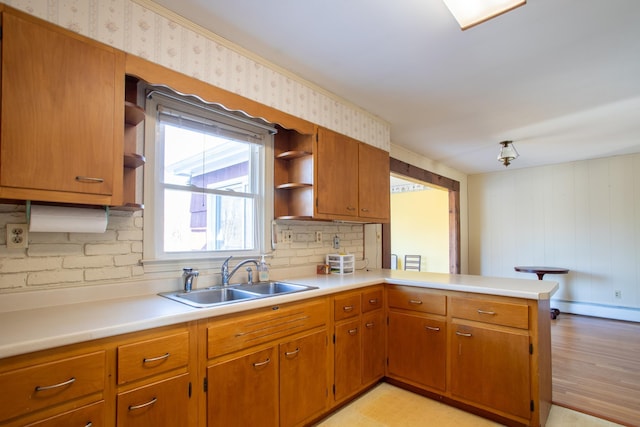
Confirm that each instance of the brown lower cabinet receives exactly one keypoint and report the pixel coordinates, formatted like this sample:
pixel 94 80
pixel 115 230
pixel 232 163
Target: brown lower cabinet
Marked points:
pixel 359 332
pixel 268 367
pixel 290 364
pixel 488 354
pixel 418 350
pixel 162 403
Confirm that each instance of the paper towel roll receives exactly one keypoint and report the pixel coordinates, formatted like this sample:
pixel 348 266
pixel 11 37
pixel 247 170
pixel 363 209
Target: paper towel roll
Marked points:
pixel 66 219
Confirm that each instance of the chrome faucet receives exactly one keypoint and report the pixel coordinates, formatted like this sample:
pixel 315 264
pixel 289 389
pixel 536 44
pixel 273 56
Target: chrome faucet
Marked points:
pixel 226 275
pixel 188 277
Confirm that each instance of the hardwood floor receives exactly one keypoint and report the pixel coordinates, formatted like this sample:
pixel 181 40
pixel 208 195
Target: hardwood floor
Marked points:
pixel 596 367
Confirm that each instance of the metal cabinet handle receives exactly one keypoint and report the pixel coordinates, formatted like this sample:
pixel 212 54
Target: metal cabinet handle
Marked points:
pixel 373 301
pixel 50 387
pixel 432 328
pixel 155 359
pixel 369 325
pixel 415 301
pixel 351 208
pixel 89 179
pixel 258 364
pixel 364 210
pixel 143 405
pixel 353 331
pixel 88 424
pixel 347 308
pixel 492 313
pixel 462 334
pixel 292 353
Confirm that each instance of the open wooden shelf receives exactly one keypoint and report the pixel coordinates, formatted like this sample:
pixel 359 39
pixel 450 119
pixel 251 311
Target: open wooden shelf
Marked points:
pixel 294 154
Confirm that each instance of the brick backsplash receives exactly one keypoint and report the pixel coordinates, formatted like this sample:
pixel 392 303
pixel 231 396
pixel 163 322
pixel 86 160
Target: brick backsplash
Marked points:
pixel 82 259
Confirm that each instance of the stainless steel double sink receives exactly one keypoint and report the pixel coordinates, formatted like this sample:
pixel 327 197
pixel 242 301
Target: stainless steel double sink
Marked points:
pixel 218 295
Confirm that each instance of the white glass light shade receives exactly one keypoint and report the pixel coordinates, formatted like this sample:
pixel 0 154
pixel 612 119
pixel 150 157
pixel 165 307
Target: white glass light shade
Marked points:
pixel 507 153
pixel 473 12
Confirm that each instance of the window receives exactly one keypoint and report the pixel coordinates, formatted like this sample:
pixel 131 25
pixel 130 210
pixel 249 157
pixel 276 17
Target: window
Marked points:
pixel 206 186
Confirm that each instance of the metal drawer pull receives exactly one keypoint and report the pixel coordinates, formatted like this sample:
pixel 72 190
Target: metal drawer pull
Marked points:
pixel 89 179
pixel 50 387
pixel 462 334
pixel 369 325
pixel 258 364
pixel 143 405
pixel 415 301
pixel 432 328
pixel 292 353
pixel 364 210
pixel 351 208
pixel 373 301
pixel 155 359
pixel 89 424
pixel 353 331
pixel 347 308
pixel 486 312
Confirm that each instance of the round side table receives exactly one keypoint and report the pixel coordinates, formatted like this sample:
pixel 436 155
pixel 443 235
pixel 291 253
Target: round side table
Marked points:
pixel 540 272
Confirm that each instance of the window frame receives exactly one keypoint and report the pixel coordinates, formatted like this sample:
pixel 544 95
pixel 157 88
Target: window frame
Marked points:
pixel 155 259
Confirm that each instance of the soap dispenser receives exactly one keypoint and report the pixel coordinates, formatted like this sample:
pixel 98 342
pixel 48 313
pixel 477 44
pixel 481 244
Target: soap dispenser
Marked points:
pixel 263 270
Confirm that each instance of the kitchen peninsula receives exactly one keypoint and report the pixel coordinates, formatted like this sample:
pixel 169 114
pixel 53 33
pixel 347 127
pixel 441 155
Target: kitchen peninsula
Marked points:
pixel 490 337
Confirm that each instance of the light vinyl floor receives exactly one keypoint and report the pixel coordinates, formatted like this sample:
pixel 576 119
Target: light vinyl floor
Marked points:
pixel 390 406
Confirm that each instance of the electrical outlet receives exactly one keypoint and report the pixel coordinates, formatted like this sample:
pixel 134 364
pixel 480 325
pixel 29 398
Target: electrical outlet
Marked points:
pixel 336 242
pixel 17 236
pixel 318 236
pixel 287 236
pixel 618 294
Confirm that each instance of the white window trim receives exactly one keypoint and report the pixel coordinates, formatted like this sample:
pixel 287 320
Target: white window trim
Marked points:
pixel 173 262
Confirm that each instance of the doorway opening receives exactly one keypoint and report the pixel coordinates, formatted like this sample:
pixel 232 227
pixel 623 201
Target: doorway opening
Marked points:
pixel 420 176
pixel 419 225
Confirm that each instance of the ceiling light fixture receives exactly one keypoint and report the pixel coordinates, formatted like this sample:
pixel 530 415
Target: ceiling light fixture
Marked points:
pixel 507 153
pixel 469 13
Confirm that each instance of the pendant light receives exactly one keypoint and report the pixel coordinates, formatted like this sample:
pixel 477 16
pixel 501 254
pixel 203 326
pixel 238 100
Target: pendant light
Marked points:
pixel 508 153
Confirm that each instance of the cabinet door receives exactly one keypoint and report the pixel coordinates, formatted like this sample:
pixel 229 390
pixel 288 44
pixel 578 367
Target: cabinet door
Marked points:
pixel 337 173
pixel 417 349
pixel 372 346
pixel 491 367
pixel 164 403
pixel 62 111
pixel 303 378
pixel 347 376
pixel 374 175
pixel 244 391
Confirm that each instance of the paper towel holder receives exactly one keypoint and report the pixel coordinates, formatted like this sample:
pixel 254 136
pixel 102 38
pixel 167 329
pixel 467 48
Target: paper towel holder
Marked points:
pixel 28 210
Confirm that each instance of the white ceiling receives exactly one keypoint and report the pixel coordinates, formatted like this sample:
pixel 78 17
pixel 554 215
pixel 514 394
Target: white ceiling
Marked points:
pixel 561 78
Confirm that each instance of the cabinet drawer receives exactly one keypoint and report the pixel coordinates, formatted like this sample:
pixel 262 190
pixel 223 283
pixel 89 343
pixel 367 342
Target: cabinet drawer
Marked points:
pixel 90 415
pixel 150 357
pixel 488 311
pixel 417 299
pixel 163 403
pixel 371 300
pixel 242 331
pixel 346 306
pixel 39 386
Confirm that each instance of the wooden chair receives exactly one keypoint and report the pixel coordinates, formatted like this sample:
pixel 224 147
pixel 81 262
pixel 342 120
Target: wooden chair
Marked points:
pixel 412 262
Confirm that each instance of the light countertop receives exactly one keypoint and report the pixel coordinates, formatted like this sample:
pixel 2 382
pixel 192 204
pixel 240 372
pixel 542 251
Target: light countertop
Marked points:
pixel 38 328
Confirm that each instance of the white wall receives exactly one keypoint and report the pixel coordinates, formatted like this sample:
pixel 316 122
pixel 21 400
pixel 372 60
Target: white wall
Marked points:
pixel 420 226
pixel 584 216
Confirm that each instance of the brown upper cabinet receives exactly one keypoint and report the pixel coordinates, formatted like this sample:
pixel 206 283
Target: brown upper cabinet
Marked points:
pixel 62 114
pixel 330 177
pixel 352 179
